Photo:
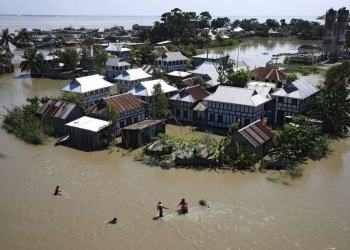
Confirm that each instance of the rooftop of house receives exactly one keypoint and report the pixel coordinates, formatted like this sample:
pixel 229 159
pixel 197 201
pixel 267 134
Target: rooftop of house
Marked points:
pixel 239 96
pixel 164 42
pixel 89 124
pixel 116 47
pixel 189 82
pixel 57 109
pixel 205 68
pixel 257 133
pixel 299 89
pixel 118 62
pixel 171 57
pixel 212 78
pixel 87 84
pixel 146 88
pixel 191 94
pixel 132 75
pixel 210 56
pixel 262 90
pixel 201 106
pixel 122 103
pixel 142 124
pixel 179 74
pixel 269 74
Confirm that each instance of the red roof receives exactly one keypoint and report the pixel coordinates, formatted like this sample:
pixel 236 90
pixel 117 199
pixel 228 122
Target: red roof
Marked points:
pixel 123 103
pixel 257 133
pixel 57 109
pixel 269 73
pixel 197 92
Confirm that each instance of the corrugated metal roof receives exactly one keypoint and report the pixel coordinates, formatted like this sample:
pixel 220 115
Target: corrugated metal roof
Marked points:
pixel 116 47
pixel 299 89
pixel 172 56
pixel 179 73
pixel 147 68
pixel 257 133
pixel 87 84
pixel 191 94
pixel 132 75
pixel 123 102
pixel 57 109
pixel 239 96
pixel 88 123
pixel 269 73
pixel 201 106
pixel 205 68
pixel 262 90
pixel 116 62
pixel 143 124
pixel 146 88
pixel 195 80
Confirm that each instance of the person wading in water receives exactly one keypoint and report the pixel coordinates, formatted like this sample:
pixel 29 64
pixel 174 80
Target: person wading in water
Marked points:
pixel 160 207
pixel 57 191
pixel 184 206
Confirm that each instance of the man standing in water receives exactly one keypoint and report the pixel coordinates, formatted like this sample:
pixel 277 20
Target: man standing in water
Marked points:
pixel 184 206
pixel 160 207
pixel 57 191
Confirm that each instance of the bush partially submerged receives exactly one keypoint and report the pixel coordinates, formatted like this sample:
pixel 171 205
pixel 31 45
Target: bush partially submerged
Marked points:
pixel 203 202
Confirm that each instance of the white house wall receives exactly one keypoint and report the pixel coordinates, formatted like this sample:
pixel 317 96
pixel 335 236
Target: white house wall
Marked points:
pixel 124 85
pixel 231 113
pixel 91 97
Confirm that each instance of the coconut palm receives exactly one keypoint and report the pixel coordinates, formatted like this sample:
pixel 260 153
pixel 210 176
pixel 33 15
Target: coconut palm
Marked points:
pixel 23 36
pixel 5 37
pixel 32 61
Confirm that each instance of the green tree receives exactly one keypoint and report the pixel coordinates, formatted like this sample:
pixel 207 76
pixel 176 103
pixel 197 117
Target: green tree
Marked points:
pixel 146 54
pixel 204 20
pixel 161 110
pixel 32 61
pixel 5 37
pixel 70 57
pixel 224 69
pixel 23 36
pixel 219 22
pixel 272 23
pixel 86 46
pixel 338 76
pixel 134 58
pixel 100 59
pixel 71 97
pixel 240 78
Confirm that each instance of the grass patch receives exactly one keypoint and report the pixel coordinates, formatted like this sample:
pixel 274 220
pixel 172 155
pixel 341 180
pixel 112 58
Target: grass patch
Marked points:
pixel 272 179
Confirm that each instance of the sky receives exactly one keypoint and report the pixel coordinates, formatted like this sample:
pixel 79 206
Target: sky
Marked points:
pixel 244 8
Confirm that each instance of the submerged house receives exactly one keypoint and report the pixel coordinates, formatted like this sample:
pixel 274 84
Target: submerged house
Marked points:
pixel 141 133
pixel 200 59
pixel 144 92
pixel 90 88
pixel 182 104
pixel 171 61
pixel 86 132
pixel 293 99
pixel 118 50
pixel 234 105
pixel 130 110
pixel 266 74
pixel 130 79
pixel 57 114
pixel 114 67
pixel 257 136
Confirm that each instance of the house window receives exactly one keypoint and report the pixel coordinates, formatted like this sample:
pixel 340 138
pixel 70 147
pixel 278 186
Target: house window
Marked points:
pixel 121 124
pixel 212 117
pixel 280 100
pixel 185 113
pixel 143 98
pixel 294 102
pixel 178 112
pixel 135 119
pixel 221 118
pixel 246 121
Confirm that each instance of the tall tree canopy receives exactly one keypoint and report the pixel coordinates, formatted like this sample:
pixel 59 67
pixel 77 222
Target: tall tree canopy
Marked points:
pixel 32 61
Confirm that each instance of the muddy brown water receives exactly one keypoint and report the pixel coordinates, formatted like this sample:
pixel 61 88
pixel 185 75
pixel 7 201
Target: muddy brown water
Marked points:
pixel 245 210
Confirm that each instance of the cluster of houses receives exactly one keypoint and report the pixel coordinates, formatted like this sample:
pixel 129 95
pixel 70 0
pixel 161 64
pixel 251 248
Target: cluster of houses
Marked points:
pixel 195 98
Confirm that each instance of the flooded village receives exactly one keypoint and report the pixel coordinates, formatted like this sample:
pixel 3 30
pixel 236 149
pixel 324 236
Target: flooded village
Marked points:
pixel 108 106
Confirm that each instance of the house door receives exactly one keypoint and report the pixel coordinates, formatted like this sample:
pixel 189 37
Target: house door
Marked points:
pixel 280 117
pixel 128 121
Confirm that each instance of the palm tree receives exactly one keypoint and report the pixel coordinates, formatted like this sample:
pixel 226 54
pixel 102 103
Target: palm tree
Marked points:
pixel 5 37
pixel 23 36
pixel 32 61
pixel 134 59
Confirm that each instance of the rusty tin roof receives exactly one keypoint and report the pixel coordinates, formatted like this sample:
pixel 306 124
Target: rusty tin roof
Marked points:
pixel 257 133
pixel 57 109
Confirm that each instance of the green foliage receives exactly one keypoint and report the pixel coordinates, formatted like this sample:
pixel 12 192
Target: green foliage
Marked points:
pixel 203 202
pixel 100 59
pixel 297 141
pixel 219 22
pixel 297 68
pixel 161 110
pixel 86 46
pixel 140 157
pixel 25 125
pixel 234 127
pixel 32 61
pixel 71 97
pixel 5 52
pixel 286 60
pixel 223 42
pixel 23 36
pixel 111 113
pixel 145 54
pixel 240 78
pixel 338 76
pixel 134 58
pixel 225 69
pixel 70 57
pixel 292 77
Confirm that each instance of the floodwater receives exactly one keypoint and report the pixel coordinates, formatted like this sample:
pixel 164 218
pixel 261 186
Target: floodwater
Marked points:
pixel 246 211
